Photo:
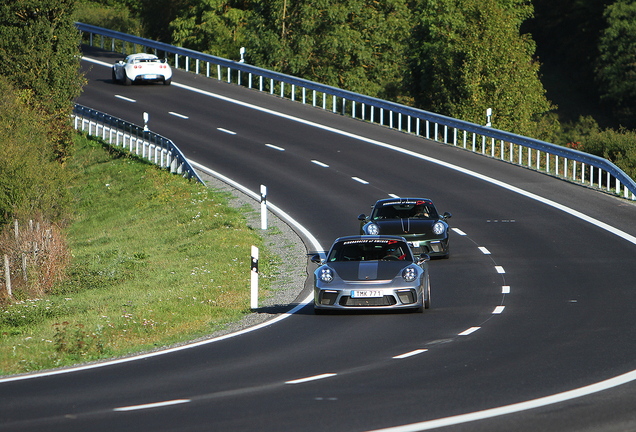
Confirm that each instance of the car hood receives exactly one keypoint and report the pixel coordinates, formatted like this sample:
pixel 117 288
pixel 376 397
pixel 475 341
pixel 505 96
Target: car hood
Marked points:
pixel 406 226
pixel 368 270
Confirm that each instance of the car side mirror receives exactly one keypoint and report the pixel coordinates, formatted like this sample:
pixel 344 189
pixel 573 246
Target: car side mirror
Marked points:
pixel 447 215
pixel 316 259
pixel 362 217
pixel 423 258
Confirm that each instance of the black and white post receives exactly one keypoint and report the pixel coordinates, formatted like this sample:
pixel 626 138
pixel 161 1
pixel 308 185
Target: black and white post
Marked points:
pixel 254 278
pixel 263 207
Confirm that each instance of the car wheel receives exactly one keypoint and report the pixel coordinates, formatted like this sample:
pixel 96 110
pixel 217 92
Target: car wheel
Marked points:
pixel 114 76
pixel 127 80
pixel 319 311
pixel 168 81
pixel 427 302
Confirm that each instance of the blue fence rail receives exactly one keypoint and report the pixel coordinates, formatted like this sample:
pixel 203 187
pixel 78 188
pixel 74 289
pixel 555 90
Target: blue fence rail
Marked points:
pixel 563 162
pixel 143 143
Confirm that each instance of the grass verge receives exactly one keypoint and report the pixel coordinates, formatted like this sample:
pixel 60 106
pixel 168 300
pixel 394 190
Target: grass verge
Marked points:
pixel 156 260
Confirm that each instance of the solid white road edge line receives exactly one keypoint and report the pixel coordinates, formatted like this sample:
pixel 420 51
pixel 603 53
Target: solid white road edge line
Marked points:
pixel 514 408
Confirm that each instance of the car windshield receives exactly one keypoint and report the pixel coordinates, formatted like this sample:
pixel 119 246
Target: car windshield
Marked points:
pixel 416 209
pixel 143 60
pixel 370 250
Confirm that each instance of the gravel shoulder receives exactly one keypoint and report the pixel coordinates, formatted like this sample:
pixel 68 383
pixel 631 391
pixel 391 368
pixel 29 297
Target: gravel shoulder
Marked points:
pixel 281 240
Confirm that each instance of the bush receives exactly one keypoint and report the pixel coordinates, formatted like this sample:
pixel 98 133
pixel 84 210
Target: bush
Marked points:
pixel 31 181
pixel 117 18
pixel 617 146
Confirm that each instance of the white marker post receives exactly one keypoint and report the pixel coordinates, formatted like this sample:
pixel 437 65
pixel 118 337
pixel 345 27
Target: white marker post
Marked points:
pixel 254 271
pixel 263 207
pixel 489 117
pixel 146 117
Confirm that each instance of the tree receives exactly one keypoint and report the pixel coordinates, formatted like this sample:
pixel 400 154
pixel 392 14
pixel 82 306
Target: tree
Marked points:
pixel 357 45
pixel 39 54
pixel 217 27
pixel 616 64
pixel 468 55
pixel 31 182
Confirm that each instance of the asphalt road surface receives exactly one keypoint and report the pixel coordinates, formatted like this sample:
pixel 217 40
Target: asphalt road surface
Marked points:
pixel 531 326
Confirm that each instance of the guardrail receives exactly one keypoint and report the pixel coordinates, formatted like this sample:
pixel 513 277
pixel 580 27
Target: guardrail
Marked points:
pixel 144 143
pixel 563 162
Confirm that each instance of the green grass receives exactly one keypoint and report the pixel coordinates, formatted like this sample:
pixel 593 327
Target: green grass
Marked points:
pixel 156 260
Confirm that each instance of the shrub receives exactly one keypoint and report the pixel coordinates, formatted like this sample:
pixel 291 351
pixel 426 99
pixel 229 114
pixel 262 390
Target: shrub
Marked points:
pixel 617 146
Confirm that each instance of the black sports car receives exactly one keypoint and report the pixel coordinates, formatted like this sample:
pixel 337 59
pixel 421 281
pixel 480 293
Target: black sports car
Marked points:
pixel 371 273
pixel 415 219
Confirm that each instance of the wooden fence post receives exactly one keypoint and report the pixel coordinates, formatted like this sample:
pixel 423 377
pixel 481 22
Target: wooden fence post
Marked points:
pixel 7 273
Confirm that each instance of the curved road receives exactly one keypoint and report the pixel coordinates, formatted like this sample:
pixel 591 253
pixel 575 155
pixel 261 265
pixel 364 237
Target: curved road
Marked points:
pixel 535 301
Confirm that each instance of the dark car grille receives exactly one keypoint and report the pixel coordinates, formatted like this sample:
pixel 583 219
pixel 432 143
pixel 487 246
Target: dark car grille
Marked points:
pixel 387 300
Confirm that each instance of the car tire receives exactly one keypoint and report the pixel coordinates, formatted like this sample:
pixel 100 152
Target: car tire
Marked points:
pixel 427 302
pixel 167 81
pixel 319 311
pixel 127 80
pixel 114 76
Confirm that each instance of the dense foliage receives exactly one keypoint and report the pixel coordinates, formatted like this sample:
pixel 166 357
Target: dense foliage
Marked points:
pixel 468 55
pixel 31 181
pixel 616 64
pixel 39 55
pixel 354 44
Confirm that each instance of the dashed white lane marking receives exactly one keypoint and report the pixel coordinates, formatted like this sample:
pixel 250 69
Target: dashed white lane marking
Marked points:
pixel 459 232
pixel 360 180
pixel 311 378
pixel 500 269
pixel 152 405
pixel 324 165
pixel 178 115
pixel 226 131
pixel 505 289
pixel 125 98
pixel 484 250
pixel 469 331
pixel 498 310
pixel 275 147
pixel 409 354
pixel 394 196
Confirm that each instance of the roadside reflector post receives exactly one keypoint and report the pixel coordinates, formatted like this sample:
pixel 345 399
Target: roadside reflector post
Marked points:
pixel 254 278
pixel 263 207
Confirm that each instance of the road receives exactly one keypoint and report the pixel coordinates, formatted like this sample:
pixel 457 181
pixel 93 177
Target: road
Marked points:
pixel 535 301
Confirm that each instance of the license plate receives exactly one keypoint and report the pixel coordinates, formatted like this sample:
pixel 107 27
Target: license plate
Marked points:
pixel 150 76
pixel 366 294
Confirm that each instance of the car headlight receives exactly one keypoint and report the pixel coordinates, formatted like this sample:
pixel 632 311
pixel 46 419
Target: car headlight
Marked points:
pixel 372 229
pixel 409 274
pixel 326 275
pixel 438 228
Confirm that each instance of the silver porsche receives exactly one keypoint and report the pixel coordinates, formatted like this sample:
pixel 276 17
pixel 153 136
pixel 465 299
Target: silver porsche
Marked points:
pixel 371 273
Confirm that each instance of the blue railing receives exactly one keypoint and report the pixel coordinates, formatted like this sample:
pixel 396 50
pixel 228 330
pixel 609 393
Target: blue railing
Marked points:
pixel 137 140
pixel 570 164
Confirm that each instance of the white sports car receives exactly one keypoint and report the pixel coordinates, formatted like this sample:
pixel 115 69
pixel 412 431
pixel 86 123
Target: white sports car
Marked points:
pixel 142 67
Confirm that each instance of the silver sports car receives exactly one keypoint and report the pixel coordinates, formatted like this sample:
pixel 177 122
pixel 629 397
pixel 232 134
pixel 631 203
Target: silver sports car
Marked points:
pixel 371 273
